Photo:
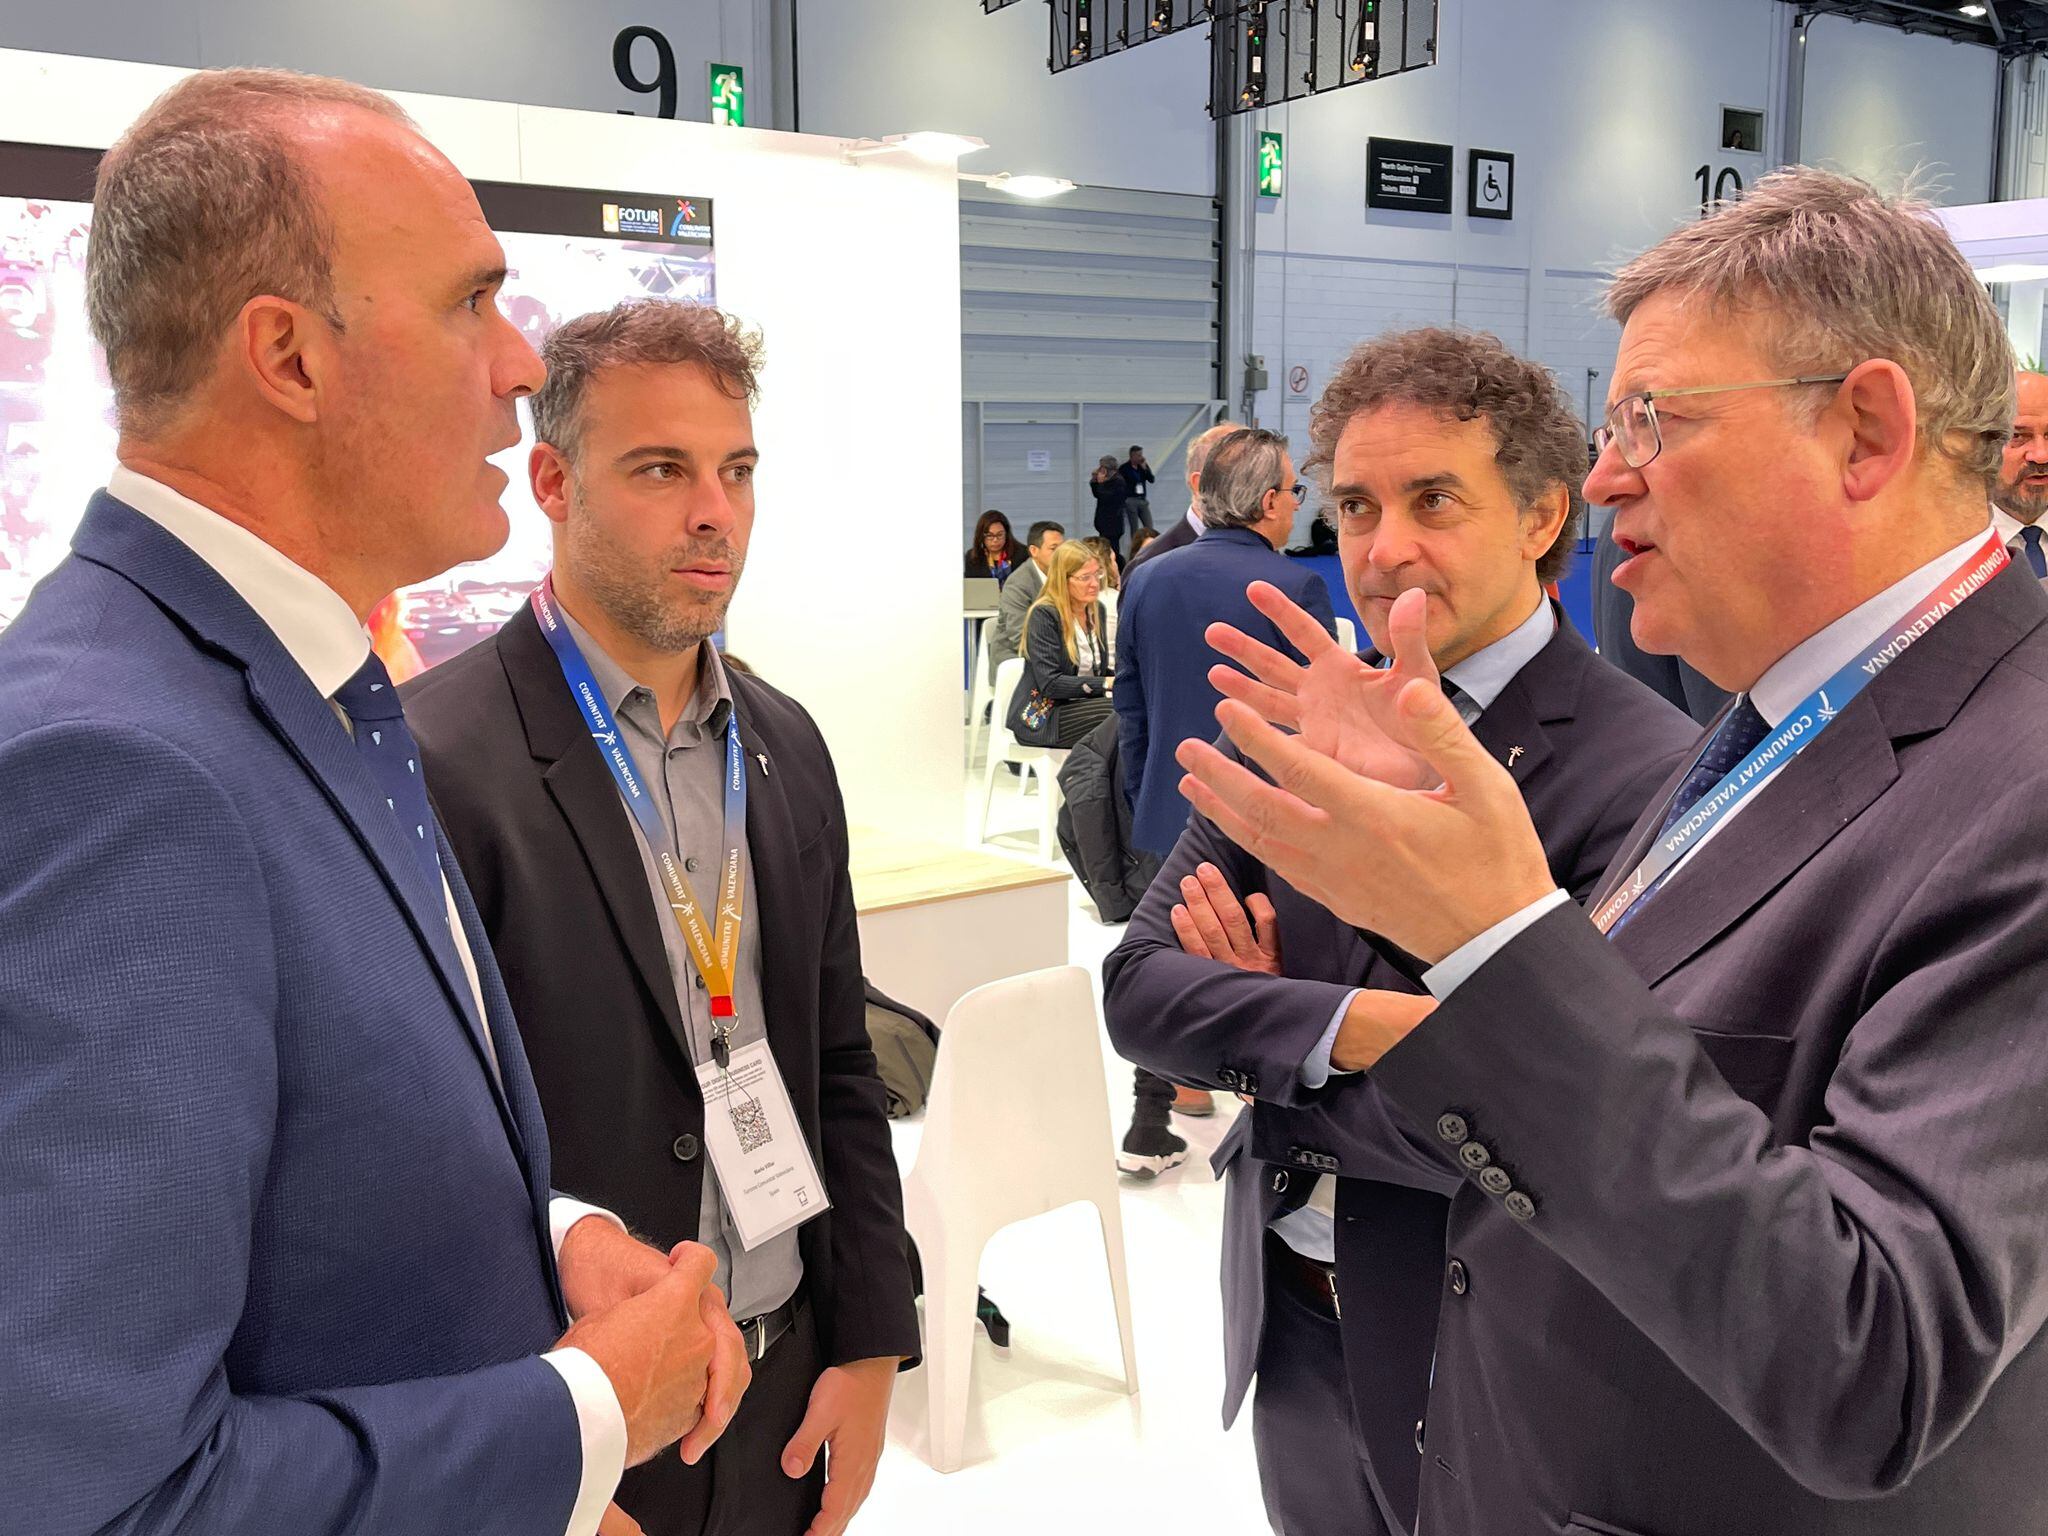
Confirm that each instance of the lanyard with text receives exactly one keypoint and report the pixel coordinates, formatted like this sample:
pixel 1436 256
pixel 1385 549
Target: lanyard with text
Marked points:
pixel 1798 729
pixel 716 955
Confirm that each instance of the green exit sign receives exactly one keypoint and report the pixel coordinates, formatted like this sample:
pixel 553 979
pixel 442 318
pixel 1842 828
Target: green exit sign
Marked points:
pixel 729 95
pixel 1272 165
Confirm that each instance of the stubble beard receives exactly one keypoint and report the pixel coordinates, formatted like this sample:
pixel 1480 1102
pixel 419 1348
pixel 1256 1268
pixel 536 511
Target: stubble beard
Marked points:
pixel 630 591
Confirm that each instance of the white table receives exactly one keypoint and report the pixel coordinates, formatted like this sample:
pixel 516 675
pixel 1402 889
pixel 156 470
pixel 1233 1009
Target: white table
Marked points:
pixel 937 921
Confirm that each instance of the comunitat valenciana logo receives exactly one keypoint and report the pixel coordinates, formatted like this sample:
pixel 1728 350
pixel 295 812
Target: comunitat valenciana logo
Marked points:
pixel 625 219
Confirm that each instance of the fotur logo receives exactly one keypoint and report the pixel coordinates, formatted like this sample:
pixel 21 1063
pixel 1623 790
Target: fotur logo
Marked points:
pixel 624 219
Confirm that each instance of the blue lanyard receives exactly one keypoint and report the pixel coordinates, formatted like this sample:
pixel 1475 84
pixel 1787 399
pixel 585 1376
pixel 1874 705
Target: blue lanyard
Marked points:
pixel 1798 729
pixel 716 955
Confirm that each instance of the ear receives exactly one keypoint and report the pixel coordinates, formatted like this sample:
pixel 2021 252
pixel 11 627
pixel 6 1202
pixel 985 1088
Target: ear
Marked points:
pixel 287 354
pixel 1543 521
pixel 553 481
pixel 1877 416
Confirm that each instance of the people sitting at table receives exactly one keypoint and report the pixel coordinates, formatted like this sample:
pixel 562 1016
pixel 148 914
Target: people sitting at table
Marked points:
pixel 995 551
pixel 1064 692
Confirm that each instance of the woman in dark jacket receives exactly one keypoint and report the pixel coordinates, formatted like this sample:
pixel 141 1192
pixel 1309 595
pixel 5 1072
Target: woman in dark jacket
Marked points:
pixel 1064 693
pixel 1111 490
pixel 995 550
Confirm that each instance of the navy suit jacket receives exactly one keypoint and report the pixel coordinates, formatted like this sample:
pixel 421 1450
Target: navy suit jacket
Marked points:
pixel 1786 1140
pixel 1595 745
pixel 276 1255
pixel 1163 694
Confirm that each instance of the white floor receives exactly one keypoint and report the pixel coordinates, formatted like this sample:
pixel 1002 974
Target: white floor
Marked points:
pixel 1053 1442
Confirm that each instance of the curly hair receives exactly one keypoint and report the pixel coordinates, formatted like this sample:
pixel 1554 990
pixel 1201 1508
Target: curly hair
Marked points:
pixel 1466 376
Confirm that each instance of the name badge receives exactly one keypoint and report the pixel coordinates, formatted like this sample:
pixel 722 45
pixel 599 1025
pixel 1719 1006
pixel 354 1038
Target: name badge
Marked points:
pixel 758 1152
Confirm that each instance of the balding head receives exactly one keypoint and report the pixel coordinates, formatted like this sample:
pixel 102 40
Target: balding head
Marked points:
pixel 206 202
pixel 1198 458
pixel 2023 474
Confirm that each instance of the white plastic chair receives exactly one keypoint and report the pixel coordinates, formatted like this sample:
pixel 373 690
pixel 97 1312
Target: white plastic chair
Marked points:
pixel 1041 762
pixel 1347 635
pixel 981 693
pixel 1017 1124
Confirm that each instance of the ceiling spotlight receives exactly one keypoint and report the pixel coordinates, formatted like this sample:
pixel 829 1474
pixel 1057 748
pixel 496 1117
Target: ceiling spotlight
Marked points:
pixel 1972 11
pixel 1026 186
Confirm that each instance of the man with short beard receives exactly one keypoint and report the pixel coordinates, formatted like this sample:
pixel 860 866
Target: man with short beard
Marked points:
pixel 2021 500
pixel 659 850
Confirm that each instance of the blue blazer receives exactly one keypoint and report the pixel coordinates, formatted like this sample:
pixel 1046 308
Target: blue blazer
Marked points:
pixel 276 1253
pixel 1162 693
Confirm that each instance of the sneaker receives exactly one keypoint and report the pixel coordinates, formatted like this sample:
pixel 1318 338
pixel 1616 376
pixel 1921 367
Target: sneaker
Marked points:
pixel 1196 1103
pixel 1149 1151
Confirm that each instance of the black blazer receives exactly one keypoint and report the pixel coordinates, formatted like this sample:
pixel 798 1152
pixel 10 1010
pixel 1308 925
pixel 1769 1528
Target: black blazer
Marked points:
pixel 1047 670
pixel 1593 746
pixel 548 847
pixel 1179 536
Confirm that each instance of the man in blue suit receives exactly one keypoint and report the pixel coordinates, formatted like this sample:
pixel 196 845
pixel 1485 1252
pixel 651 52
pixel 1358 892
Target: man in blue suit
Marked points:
pixel 281 1254
pixel 1248 499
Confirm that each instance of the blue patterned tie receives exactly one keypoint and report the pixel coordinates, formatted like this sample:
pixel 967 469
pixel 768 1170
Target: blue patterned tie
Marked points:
pixel 2031 537
pixel 1734 739
pixel 393 758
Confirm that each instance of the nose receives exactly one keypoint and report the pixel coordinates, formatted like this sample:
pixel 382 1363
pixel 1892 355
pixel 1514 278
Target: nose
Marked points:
pixel 709 509
pixel 1394 544
pixel 519 370
pixel 1611 481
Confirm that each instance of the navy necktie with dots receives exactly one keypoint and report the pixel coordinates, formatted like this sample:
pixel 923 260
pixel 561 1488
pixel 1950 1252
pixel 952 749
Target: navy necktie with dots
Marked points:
pixel 1733 740
pixel 2037 560
pixel 393 758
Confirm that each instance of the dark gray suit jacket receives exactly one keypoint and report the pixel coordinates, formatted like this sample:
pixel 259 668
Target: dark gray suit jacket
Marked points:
pixel 1786 1140
pixel 1595 745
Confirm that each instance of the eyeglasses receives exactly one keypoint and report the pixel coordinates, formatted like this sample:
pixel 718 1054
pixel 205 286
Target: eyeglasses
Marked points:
pixel 1632 420
pixel 1296 490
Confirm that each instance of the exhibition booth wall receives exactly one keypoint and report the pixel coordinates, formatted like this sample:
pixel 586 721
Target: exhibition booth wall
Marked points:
pixel 851 596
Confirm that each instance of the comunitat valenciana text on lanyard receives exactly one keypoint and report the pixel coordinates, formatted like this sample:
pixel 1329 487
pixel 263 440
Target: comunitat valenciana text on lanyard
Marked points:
pixel 716 954
pixel 1798 729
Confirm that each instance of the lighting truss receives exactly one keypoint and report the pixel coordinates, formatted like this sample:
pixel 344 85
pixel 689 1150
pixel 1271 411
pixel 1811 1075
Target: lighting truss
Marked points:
pixel 1086 30
pixel 1268 51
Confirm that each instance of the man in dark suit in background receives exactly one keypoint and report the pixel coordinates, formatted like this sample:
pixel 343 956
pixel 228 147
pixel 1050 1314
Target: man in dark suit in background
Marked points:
pixel 1751 1233
pixel 2020 500
pixel 280 1249
pixel 1020 592
pixel 1249 499
pixel 1187 529
pixel 659 851
pixel 1454 468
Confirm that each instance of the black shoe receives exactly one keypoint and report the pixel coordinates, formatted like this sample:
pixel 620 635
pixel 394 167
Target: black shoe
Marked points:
pixel 991 1318
pixel 1149 1150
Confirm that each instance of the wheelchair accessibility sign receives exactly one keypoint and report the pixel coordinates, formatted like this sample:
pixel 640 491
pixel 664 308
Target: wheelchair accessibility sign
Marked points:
pixel 1490 185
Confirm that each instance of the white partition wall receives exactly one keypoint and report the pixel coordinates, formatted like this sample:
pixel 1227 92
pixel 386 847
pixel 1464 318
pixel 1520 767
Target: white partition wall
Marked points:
pixel 851 599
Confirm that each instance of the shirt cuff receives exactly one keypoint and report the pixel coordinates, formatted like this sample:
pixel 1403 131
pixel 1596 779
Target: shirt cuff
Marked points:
pixel 1317 1069
pixel 1456 968
pixel 564 1213
pixel 603 1424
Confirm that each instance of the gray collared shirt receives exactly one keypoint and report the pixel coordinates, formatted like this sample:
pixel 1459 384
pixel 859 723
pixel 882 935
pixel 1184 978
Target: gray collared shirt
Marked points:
pixel 686 771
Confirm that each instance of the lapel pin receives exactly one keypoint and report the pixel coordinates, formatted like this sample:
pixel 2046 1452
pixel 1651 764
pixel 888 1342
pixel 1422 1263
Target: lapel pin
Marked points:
pixel 1513 754
pixel 762 759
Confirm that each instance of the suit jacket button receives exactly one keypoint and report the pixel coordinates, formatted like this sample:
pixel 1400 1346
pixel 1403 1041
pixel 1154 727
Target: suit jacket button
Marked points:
pixel 1474 1156
pixel 1453 1129
pixel 1279 1181
pixel 691 864
pixel 1299 1156
pixel 1495 1181
pixel 1519 1205
pixel 685 1148
pixel 1227 1076
pixel 1251 1084
pixel 1459 1284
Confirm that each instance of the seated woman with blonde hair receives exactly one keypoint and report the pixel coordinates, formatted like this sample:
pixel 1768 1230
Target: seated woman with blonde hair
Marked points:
pixel 1067 663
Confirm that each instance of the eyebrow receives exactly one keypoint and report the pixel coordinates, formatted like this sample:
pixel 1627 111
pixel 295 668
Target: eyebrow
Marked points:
pixel 1442 480
pixel 483 277
pixel 670 451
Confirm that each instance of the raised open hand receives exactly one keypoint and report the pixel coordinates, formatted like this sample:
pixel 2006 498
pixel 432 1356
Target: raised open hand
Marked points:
pixel 1339 706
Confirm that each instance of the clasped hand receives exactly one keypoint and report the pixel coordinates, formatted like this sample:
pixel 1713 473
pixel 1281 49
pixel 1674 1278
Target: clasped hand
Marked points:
pixel 1382 805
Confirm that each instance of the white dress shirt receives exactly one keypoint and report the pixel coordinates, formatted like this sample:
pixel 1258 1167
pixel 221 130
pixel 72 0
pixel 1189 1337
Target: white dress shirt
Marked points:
pixel 1480 678
pixel 1788 681
pixel 321 633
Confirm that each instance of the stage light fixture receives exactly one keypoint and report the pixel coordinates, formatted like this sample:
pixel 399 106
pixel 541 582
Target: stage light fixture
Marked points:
pixel 1365 57
pixel 1035 187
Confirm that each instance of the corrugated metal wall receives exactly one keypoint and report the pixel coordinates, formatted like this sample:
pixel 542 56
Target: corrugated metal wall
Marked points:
pixel 1088 324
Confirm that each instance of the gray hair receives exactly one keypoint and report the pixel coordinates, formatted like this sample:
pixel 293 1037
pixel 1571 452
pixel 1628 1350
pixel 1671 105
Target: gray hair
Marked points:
pixel 1846 274
pixel 1241 469
pixel 200 207
pixel 638 332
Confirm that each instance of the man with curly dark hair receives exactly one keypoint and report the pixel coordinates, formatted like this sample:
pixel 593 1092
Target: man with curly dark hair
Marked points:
pixel 1451 468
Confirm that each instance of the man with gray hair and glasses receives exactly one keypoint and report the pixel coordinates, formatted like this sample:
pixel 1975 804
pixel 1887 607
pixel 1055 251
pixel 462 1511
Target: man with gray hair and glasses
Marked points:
pixel 1751 1232
pixel 281 1253
pixel 1189 528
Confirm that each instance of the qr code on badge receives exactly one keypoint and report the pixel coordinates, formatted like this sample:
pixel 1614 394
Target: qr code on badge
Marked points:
pixel 750 1124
